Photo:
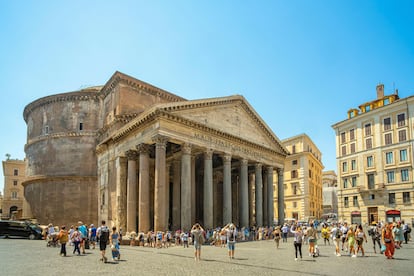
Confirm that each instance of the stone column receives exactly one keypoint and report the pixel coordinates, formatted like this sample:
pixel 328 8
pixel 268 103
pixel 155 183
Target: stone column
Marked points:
pixel 259 195
pixel 144 189
pixel 193 189
pixel 121 186
pixel 167 195
pixel 280 197
pixel 270 201
pixel 227 214
pixel 208 189
pixel 244 194
pixel 252 206
pixel 132 192
pixel 265 198
pixel 160 207
pixel 186 187
pixel 176 199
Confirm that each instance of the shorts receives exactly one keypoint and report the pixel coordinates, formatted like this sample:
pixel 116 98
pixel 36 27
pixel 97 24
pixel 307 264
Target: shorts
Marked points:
pixel 197 245
pixel 102 245
pixel 230 245
pixel 93 239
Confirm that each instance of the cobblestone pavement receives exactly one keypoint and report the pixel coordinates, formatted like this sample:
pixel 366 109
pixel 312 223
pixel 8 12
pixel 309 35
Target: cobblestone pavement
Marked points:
pixel 25 257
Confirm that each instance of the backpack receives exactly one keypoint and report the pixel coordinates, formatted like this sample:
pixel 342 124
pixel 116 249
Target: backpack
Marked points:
pixel 231 236
pixel 104 237
pixel 338 233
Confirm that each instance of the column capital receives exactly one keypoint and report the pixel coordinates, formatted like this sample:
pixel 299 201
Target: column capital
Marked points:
pixel 226 157
pixel 143 148
pixel 186 148
pixel 244 162
pixel 269 168
pixel 160 140
pixel 131 154
pixel 208 154
pixel 280 171
pixel 259 166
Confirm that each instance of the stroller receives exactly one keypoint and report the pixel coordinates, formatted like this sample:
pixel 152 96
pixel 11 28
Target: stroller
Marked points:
pixel 52 240
pixel 316 251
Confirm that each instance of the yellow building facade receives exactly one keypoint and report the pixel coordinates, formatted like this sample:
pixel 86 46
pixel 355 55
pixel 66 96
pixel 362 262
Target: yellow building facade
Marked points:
pixel 374 149
pixel 13 196
pixel 302 179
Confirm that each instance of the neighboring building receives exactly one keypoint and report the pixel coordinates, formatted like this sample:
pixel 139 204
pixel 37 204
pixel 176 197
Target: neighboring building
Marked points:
pixel 329 194
pixel 374 149
pixel 1 205
pixel 303 179
pixel 13 199
pixel 143 159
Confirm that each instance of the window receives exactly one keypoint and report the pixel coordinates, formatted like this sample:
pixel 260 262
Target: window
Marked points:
pixel 388 139
pixel 343 137
pixel 344 150
pixel 346 202
pixel 294 189
pixel 344 167
pixel 353 148
pixel 294 174
pixel 402 135
pixel 353 165
pixel 370 161
pixel 387 123
pixel 15 172
pixel 14 182
pixel 14 195
pixel 368 143
pixel 404 175
pixel 295 204
pixel 386 101
pixel 354 181
pixel 371 197
pixel 401 119
pixel 367 108
pixel 355 201
pixel 46 130
pixel 80 126
pixel 367 129
pixel 389 159
pixel 352 134
pixel 391 198
pixel 371 181
pixel 390 177
pixel 310 174
pixel 406 197
pixel 403 155
pixel 294 162
pixel 293 149
pixel 345 183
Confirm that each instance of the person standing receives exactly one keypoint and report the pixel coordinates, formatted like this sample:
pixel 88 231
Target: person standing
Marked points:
pixel 388 240
pixel 337 237
pixel 92 235
pixel 63 238
pixel 350 237
pixel 406 230
pixel 376 236
pixel 325 233
pixel 398 235
pixel 84 235
pixel 198 239
pixel 297 240
pixel 344 228
pixel 76 239
pixel 231 238
pixel 285 230
pixel 114 240
pixel 313 236
pixel 103 235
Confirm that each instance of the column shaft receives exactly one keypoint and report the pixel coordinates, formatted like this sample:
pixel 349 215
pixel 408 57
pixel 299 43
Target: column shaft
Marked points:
pixel 208 189
pixel 265 204
pixel 186 188
pixel 160 207
pixel 121 186
pixel 280 197
pixel 176 199
pixel 244 195
pixel 144 189
pixel 270 200
pixel 132 191
pixel 227 204
pixel 259 195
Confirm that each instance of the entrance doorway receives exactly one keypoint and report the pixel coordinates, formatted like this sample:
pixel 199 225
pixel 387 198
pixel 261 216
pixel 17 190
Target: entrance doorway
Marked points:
pixel 372 214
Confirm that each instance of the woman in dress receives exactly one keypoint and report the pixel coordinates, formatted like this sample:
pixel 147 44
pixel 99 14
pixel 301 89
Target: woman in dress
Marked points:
pixel 114 240
pixel 350 237
pixel 388 240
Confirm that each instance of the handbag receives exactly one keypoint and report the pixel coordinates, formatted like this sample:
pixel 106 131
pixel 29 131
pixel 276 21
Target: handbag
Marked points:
pixel 383 248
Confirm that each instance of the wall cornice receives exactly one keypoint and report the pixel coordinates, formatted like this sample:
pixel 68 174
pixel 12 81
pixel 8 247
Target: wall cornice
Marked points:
pixel 59 135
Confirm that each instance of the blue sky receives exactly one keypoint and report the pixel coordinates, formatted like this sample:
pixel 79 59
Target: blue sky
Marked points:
pixel 301 64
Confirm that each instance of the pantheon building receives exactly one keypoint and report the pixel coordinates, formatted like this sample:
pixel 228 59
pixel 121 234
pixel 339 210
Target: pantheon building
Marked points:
pixel 142 158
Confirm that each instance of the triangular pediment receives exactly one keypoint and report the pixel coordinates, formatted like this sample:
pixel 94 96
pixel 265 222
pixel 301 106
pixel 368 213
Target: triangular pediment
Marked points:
pixel 232 115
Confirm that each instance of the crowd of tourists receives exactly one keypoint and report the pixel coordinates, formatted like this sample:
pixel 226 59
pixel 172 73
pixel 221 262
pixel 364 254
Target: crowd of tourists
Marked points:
pixel 347 239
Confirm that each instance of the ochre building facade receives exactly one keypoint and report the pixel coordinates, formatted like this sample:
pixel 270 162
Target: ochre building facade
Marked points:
pixel 144 159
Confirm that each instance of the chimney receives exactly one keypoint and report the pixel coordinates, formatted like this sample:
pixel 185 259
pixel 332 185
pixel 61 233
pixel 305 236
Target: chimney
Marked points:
pixel 380 91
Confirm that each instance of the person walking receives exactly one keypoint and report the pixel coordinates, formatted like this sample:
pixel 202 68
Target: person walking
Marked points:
pixel 114 240
pixel 103 236
pixel 388 240
pixel 84 235
pixel 92 235
pixel 375 234
pixel 360 238
pixel 63 238
pixel 398 235
pixel 297 240
pixel 406 231
pixel 350 237
pixel 344 228
pixel 337 237
pixel 198 239
pixel 277 235
pixel 325 232
pixel 76 239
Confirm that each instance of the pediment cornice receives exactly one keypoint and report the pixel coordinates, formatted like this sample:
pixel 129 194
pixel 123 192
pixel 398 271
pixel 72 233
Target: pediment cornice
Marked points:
pixel 134 83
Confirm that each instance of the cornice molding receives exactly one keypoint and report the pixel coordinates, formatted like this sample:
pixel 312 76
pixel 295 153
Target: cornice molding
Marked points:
pixel 59 135
pixel 45 178
pixel 87 95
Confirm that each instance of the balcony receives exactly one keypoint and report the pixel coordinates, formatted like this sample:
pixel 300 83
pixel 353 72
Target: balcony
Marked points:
pixel 379 188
